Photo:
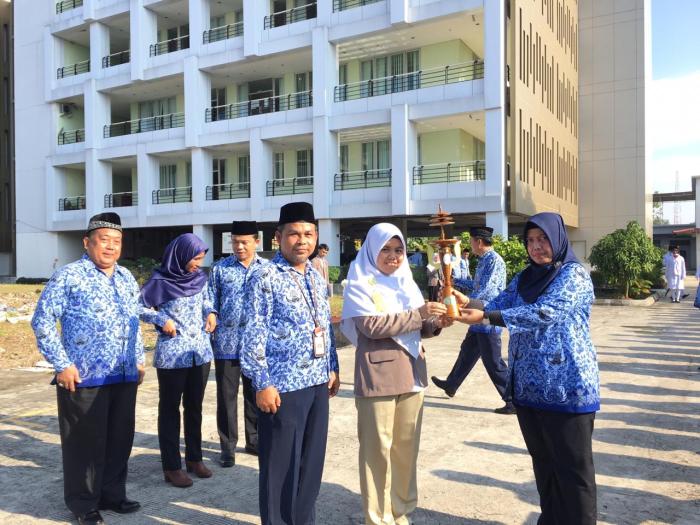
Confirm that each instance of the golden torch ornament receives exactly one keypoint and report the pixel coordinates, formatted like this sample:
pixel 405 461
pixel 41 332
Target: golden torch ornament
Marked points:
pixel 445 248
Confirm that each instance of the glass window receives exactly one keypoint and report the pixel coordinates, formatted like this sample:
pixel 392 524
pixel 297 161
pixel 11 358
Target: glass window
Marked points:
pixel 303 167
pixel 217 21
pixel 383 157
pixel 244 172
pixel 188 174
pixel 344 157
pixel 279 168
pixel 168 174
pixel 219 171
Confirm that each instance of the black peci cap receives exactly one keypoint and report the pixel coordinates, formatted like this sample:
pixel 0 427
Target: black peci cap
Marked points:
pixel 104 220
pixel 296 212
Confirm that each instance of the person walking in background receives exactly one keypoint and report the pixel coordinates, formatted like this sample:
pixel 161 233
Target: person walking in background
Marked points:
pixel 554 371
pixel 384 316
pixel 462 271
pixel 228 281
pixel 320 263
pixel 436 278
pixel 176 301
pixel 98 359
pixel 417 258
pixel 675 275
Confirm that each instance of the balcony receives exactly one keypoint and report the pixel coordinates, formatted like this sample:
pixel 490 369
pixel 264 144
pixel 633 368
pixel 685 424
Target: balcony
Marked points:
pixel 409 81
pixel 468 171
pixel 67 5
pixel 71 137
pixel 71 203
pixel 121 200
pixel 172 195
pixel 222 33
pixel 130 127
pixel 290 186
pixel 355 180
pixel 296 14
pixel 342 5
pixel 116 59
pixel 169 46
pixel 238 190
pixel 73 69
pixel 259 106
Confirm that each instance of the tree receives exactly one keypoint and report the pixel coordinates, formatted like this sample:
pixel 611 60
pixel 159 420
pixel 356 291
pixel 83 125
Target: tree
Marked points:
pixel 625 256
pixel 658 213
pixel 512 251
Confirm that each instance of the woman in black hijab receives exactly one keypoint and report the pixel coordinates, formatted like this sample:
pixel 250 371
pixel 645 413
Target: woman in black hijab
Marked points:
pixel 554 372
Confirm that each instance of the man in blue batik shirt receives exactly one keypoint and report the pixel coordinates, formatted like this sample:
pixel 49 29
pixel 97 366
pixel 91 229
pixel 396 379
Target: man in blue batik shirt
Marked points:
pixel 98 358
pixel 288 350
pixel 227 285
pixel 481 341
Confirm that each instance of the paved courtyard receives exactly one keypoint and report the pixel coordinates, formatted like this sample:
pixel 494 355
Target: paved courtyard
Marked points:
pixel 473 466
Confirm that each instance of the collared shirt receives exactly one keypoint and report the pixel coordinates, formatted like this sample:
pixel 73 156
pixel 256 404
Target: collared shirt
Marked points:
pixel 489 280
pixel 321 266
pixel 461 270
pixel 191 346
pixel 277 348
pixel 228 279
pixel 99 318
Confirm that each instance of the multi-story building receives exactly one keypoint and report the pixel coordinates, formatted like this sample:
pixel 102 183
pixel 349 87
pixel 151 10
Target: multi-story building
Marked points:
pixel 7 195
pixel 183 115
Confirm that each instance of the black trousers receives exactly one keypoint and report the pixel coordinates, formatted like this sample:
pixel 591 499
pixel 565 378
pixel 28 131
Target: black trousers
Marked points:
pixel 228 377
pixel 97 432
pixel 292 449
pixel 562 458
pixel 433 293
pixel 488 347
pixel 175 385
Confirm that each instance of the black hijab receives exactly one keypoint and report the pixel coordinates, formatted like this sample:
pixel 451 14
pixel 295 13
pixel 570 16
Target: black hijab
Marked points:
pixel 535 279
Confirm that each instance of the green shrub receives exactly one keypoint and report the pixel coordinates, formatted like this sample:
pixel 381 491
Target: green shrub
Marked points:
pixel 512 251
pixel 333 273
pixel 141 268
pixel 420 276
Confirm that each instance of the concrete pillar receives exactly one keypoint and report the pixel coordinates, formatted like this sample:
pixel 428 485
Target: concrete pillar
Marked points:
pixel 199 21
pixel 99 46
pixel 324 61
pixel 254 13
pixel 495 147
pixel 197 98
pixel 206 233
pixel 498 220
pixel 494 54
pixel 147 167
pixel 325 145
pixel 201 177
pixel 97 114
pixel 55 185
pixel 399 11
pixel 260 172
pixel 98 182
pixel 143 32
pixel 324 10
pixel 329 233
pixel 53 51
pixel 404 155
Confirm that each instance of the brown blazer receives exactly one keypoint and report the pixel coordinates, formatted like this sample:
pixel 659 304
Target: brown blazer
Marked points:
pixel 382 366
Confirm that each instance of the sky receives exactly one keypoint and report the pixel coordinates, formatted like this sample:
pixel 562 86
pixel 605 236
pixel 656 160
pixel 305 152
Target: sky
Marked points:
pixel 673 118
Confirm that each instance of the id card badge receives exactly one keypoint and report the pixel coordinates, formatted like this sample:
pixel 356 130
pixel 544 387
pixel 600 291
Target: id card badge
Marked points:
pixel 319 339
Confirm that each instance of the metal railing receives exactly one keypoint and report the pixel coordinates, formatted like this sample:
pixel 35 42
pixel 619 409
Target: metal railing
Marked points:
pixel 130 127
pixel 71 137
pixel 169 46
pixel 467 171
pixel 121 200
pixel 71 203
pixel 234 190
pixel 342 5
pixel 353 180
pixel 66 5
pixel 290 186
pixel 409 81
pixel 296 14
pixel 171 195
pixel 73 69
pixel 222 33
pixel 303 99
pixel 122 57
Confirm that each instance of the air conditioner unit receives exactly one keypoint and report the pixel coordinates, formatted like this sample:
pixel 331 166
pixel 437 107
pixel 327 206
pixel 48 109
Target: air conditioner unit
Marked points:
pixel 66 110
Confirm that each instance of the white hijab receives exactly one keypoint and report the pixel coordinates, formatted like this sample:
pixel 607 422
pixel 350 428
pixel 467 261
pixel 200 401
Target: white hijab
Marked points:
pixel 370 292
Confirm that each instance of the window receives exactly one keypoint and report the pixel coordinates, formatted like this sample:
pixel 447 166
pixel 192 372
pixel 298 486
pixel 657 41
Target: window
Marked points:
pixel 305 166
pixel 168 177
pixel 344 157
pixel 218 101
pixel 279 169
pixel 218 171
pixel 243 172
pixel 217 21
pixel 188 174
pixel 376 158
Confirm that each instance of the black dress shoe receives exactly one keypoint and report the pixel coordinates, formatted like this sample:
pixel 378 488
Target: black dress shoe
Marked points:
pixel 227 461
pixel 507 409
pixel 442 385
pixel 90 518
pixel 125 506
pixel 253 451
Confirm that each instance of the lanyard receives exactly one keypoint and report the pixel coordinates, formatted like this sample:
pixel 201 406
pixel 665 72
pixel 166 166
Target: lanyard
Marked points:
pixel 312 309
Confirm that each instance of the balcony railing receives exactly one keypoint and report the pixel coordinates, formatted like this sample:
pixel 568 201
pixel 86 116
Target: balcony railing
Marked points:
pixel 71 137
pixel 169 46
pixel 71 203
pixel 73 69
pixel 171 195
pixel 342 5
pixel 222 33
pixel 303 99
pixel 130 127
pixel 122 57
pixel 121 200
pixel 468 171
pixel 409 81
pixel 234 190
pixel 353 180
pixel 66 5
pixel 296 14
pixel 290 186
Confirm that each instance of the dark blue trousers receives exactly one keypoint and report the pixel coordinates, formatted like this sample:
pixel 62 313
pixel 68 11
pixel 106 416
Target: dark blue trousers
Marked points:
pixel 292 450
pixel 488 347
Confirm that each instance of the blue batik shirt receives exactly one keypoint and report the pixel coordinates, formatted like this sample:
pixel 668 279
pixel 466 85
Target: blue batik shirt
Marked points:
pixel 276 346
pixel 191 346
pixel 461 270
pixel 228 279
pixel 489 280
pixel 552 360
pixel 99 317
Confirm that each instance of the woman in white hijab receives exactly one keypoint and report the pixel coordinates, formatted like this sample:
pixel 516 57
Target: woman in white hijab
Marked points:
pixel 384 316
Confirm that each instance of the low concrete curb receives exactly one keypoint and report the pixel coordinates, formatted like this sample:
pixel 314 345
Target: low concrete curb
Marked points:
pixel 655 296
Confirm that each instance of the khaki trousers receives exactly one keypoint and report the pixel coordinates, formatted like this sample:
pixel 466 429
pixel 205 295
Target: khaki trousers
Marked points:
pixel 388 429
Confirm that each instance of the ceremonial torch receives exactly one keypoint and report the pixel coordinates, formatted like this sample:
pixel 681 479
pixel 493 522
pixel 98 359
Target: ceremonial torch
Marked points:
pixel 446 250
